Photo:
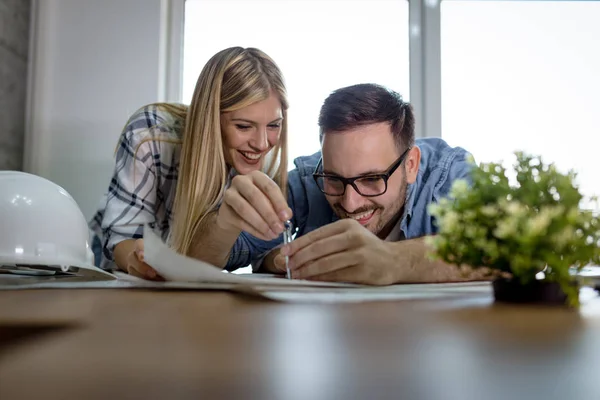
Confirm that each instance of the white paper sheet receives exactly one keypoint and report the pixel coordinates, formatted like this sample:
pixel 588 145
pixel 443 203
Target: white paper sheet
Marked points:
pixel 122 281
pixel 179 269
pixel 176 267
pixel 369 294
pixel 354 296
pixel 290 294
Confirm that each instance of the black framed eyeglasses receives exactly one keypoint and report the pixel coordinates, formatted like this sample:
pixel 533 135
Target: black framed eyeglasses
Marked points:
pixel 369 185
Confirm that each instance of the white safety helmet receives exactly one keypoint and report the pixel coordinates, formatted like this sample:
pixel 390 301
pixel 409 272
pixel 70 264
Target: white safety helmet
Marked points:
pixel 42 227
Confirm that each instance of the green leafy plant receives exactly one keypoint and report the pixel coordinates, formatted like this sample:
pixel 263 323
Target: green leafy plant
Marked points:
pixel 521 229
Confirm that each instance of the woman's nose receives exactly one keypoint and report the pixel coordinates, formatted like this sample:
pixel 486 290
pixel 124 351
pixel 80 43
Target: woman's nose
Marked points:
pixel 261 141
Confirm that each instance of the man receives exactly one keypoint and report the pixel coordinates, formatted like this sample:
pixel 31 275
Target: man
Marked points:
pixel 360 205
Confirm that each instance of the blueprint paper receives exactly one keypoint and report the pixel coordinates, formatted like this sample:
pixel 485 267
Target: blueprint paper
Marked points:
pixel 178 268
pixel 123 281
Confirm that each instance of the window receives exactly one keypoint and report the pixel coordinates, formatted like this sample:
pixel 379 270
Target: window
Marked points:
pixel 320 46
pixel 515 75
pixel 523 75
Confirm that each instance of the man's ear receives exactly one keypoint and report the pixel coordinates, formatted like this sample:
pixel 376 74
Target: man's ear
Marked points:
pixel 412 163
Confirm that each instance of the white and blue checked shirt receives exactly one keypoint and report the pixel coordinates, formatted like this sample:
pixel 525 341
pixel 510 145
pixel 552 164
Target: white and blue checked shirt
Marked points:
pixel 142 188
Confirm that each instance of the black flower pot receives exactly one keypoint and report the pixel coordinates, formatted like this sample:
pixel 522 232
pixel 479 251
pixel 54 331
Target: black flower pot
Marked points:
pixel 535 292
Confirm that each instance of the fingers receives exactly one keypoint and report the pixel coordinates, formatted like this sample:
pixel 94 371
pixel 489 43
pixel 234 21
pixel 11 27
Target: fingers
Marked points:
pixel 359 273
pixel 265 196
pixel 318 249
pixel 246 227
pixel 279 262
pixel 325 265
pixel 136 267
pixel 139 249
pixel 247 217
pixel 145 272
pixel 133 272
pixel 259 202
pixel 341 226
pixel 346 275
pixel 273 192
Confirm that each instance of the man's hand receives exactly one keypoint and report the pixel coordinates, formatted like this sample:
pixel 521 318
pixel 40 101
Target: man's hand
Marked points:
pixel 255 204
pixel 343 251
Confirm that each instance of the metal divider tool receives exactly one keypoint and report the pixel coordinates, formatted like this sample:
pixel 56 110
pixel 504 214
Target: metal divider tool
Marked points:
pixel 287 238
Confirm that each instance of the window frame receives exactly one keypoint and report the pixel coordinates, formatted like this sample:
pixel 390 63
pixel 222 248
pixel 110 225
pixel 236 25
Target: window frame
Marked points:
pixel 424 60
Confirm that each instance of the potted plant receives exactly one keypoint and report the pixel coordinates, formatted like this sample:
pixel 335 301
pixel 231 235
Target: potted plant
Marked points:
pixel 532 235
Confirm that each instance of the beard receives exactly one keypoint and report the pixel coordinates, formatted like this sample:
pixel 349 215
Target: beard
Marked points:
pixel 390 215
pixel 386 217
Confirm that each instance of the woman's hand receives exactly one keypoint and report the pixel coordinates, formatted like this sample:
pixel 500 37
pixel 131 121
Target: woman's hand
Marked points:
pixel 135 265
pixel 255 204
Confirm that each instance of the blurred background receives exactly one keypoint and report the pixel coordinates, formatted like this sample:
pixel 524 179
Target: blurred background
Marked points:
pixel 489 76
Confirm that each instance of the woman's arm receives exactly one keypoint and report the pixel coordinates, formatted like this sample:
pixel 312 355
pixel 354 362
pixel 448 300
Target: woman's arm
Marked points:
pixel 213 243
pixel 253 204
pixel 132 194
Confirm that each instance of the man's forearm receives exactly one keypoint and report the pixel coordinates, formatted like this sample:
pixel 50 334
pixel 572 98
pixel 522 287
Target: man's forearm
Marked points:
pixel 212 243
pixel 414 265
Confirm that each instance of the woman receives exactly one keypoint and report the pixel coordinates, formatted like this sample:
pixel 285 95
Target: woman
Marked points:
pixel 192 173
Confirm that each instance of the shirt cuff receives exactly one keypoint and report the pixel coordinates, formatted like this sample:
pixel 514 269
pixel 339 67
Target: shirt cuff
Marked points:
pixel 112 238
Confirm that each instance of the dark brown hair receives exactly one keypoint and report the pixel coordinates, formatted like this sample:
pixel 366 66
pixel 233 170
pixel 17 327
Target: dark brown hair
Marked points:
pixel 368 103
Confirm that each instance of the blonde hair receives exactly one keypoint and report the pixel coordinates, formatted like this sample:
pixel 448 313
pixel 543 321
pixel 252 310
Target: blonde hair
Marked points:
pixel 232 79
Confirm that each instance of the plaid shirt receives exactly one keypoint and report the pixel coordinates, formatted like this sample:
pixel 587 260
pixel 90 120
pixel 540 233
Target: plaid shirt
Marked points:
pixel 142 188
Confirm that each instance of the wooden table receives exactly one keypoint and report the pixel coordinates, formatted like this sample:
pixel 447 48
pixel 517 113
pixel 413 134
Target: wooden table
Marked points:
pixel 133 344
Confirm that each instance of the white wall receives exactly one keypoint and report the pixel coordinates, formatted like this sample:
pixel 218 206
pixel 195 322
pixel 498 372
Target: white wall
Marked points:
pixel 94 62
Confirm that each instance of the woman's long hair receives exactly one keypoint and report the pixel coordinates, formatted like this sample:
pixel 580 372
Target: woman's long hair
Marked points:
pixel 232 79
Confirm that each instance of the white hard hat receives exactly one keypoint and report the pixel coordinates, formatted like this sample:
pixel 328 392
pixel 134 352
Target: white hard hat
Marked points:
pixel 41 225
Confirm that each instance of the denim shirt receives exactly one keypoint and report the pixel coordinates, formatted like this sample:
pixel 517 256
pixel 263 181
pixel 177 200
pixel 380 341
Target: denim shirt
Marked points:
pixel 440 166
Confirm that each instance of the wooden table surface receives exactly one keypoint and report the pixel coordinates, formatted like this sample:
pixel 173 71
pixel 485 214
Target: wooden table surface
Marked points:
pixel 134 344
